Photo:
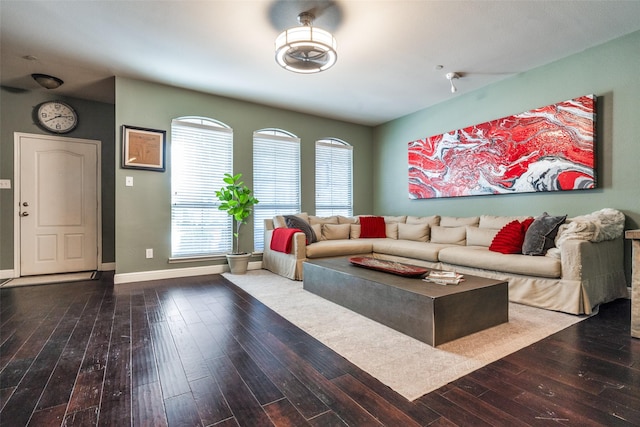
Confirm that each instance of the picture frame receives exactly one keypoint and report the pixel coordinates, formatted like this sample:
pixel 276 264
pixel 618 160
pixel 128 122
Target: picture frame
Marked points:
pixel 143 148
pixel 546 149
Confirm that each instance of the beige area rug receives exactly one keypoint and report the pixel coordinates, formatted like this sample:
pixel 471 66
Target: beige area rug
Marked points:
pixel 410 367
pixel 49 279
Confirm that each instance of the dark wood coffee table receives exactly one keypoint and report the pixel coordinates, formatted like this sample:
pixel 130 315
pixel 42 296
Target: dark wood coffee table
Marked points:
pixel 431 313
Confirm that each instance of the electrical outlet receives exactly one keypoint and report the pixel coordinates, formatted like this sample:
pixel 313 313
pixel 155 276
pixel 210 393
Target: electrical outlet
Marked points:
pixel 5 184
pixel 149 253
pixel 128 181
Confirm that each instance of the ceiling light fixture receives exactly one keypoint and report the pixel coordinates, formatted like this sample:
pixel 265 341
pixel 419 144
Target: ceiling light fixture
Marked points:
pixel 47 81
pixel 306 49
pixel 450 77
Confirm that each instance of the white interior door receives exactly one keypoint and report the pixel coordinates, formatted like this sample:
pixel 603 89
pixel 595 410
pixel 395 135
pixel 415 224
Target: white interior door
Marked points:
pixel 58 205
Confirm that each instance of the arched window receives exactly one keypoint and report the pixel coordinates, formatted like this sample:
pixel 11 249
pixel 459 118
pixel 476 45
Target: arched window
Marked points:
pixel 276 177
pixel 334 177
pixel 201 153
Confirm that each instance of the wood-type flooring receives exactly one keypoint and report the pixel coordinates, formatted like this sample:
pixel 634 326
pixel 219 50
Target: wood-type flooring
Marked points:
pixel 201 352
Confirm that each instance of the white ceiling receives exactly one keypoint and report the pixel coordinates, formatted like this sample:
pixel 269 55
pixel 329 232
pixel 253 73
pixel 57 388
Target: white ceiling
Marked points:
pixel 387 50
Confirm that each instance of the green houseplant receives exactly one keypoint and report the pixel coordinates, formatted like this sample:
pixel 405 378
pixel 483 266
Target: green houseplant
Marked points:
pixel 238 202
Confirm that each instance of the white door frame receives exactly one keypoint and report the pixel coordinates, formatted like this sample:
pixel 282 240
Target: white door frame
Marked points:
pixel 16 191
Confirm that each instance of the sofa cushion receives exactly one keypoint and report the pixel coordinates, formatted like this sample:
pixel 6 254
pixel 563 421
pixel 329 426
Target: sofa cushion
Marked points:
pixel 541 234
pixel 279 222
pixel 323 219
pixel 408 248
pixel 497 222
pixel 391 230
pixel 415 232
pixel 483 258
pixel 294 221
pixel 510 238
pixel 480 236
pixel 335 231
pixel 372 226
pixel 453 221
pixel 347 219
pixel 317 228
pixel 390 219
pixel 344 247
pixel 431 220
pixel 449 235
pixel 355 231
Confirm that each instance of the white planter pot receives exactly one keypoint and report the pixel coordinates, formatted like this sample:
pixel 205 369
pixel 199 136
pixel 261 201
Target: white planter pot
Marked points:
pixel 238 263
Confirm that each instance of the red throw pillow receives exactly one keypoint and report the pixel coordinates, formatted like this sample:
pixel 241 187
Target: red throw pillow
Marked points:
pixel 527 223
pixel 510 238
pixel 372 226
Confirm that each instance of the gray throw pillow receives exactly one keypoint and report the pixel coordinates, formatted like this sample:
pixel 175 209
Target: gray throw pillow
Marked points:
pixel 297 222
pixel 541 234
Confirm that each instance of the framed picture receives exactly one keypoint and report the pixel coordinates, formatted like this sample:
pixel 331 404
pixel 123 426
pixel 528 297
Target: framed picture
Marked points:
pixel 143 148
pixel 551 148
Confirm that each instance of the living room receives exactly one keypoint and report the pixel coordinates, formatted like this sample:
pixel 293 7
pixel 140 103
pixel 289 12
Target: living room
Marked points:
pixel 136 218
pixel 379 170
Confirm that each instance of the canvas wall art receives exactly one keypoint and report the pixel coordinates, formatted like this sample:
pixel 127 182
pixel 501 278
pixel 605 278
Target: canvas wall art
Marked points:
pixel 550 148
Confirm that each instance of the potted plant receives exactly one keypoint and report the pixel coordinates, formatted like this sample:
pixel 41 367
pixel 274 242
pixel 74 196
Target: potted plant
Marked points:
pixel 238 203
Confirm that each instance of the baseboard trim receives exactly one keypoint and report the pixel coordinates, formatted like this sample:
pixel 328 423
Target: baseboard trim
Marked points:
pixel 7 274
pixel 107 266
pixel 11 274
pixel 144 276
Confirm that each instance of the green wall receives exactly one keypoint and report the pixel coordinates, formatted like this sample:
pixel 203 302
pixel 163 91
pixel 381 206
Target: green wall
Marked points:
pixel 143 212
pixel 609 71
pixel 95 122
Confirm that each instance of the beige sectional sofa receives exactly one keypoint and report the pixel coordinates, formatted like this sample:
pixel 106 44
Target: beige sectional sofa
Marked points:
pixel 574 278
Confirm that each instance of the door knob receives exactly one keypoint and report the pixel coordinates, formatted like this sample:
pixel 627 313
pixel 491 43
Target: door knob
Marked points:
pixel 24 213
pixel 25 204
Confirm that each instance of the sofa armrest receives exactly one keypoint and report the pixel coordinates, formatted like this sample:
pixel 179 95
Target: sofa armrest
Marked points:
pixel 298 247
pixel 583 260
pixel 598 267
pixel 299 244
pixel 285 264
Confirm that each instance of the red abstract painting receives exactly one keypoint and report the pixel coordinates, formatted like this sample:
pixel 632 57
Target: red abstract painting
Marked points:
pixel 546 149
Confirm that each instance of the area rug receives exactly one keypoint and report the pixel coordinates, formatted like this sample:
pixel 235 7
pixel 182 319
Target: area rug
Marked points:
pixel 408 366
pixel 50 279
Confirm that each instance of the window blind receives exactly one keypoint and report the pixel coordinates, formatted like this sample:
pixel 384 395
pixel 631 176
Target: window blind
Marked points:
pixel 200 155
pixel 334 163
pixel 276 179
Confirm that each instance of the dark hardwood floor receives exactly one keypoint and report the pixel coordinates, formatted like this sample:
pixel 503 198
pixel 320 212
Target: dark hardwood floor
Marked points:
pixel 201 352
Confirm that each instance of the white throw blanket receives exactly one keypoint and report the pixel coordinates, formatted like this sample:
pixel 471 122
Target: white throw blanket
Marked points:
pixel 605 224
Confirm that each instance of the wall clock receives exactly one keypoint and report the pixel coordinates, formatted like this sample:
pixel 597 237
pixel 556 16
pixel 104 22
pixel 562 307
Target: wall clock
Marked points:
pixel 56 117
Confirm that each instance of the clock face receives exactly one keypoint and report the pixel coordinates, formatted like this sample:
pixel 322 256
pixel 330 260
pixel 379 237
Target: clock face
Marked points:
pixel 56 116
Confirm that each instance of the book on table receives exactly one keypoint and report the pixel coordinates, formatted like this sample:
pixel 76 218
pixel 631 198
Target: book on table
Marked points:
pixel 444 277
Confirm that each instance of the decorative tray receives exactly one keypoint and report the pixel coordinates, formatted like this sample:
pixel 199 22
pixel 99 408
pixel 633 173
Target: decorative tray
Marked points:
pixel 389 266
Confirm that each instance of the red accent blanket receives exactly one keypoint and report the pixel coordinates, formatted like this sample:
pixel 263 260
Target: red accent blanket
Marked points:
pixel 282 238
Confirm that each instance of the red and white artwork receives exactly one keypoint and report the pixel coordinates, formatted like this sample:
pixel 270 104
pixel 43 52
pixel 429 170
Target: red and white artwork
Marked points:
pixel 547 149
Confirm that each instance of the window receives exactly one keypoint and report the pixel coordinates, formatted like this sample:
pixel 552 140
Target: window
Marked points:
pixel 276 178
pixel 334 164
pixel 201 153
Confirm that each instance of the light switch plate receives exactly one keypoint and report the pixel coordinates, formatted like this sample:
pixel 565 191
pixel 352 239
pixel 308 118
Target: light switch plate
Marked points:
pixel 5 184
pixel 128 181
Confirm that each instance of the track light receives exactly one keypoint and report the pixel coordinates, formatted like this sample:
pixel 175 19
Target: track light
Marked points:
pixel 450 77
